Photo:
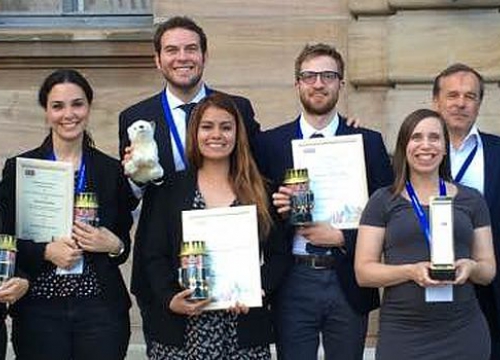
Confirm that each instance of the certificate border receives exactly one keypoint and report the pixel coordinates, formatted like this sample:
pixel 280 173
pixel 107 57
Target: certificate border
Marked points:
pixel 67 176
pixel 249 211
pixel 358 156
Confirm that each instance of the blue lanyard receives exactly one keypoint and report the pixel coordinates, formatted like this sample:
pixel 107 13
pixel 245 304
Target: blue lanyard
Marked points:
pixel 466 164
pixel 169 120
pixel 419 211
pixel 81 182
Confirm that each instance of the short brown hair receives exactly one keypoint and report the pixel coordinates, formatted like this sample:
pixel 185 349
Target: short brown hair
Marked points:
pixel 453 69
pixel 176 22
pixel 311 51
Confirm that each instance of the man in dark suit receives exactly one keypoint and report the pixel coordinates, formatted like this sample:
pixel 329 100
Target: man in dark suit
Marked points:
pixel 475 161
pixel 180 55
pixel 320 296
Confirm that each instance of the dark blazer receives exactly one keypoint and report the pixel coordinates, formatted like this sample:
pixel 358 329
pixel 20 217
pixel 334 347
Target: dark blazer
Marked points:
pixel 151 110
pixel 489 296
pixel 160 248
pixel 274 156
pixel 105 178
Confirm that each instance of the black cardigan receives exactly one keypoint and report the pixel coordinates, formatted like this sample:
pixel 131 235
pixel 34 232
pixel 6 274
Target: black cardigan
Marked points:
pixel 105 178
pixel 156 251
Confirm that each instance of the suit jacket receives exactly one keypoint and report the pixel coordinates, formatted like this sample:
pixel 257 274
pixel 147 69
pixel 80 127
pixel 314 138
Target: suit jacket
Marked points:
pixel 159 246
pixel 105 178
pixel 274 156
pixel 151 110
pixel 489 296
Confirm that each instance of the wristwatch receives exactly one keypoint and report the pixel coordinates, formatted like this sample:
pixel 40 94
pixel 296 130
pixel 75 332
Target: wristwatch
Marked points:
pixel 120 251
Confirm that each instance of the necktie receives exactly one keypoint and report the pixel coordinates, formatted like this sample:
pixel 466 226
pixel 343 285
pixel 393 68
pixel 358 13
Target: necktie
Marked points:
pixel 317 135
pixel 187 108
pixel 310 248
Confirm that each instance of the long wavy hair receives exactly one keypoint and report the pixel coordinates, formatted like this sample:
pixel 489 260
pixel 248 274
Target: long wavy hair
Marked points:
pixel 400 163
pixel 244 177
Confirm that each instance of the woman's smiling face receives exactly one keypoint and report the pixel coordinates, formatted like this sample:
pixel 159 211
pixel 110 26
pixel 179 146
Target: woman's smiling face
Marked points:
pixel 216 134
pixel 67 111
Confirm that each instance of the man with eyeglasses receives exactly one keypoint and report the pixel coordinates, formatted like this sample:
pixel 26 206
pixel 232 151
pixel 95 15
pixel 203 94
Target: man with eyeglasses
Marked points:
pixel 320 297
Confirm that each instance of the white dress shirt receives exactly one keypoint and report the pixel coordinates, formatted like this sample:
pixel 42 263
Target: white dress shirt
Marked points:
pixel 299 242
pixel 474 175
pixel 179 117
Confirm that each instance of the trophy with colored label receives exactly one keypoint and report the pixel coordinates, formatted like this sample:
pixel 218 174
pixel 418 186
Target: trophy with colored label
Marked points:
pixel 86 208
pixel 8 250
pixel 194 270
pixel 302 200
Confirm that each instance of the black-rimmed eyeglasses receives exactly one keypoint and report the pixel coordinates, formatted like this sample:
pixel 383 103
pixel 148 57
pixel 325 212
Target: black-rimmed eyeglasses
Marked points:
pixel 327 77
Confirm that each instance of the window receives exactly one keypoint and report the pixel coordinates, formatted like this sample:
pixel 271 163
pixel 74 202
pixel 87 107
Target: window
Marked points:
pixel 75 13
pixel 75 6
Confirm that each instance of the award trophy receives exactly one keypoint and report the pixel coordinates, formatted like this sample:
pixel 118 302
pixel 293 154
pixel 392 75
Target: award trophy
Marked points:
pixel 442 247
pixel 194 270
pixel 302 200
pixel 8 251
pixel 86 208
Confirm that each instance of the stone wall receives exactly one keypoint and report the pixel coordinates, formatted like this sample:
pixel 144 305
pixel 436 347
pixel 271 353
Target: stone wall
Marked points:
pixel 393 51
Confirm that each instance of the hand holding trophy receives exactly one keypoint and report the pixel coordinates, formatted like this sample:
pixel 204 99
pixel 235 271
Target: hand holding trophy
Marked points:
pixel 302 199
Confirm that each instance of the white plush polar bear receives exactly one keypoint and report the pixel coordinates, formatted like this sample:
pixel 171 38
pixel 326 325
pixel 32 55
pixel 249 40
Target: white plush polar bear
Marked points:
pixel 143 166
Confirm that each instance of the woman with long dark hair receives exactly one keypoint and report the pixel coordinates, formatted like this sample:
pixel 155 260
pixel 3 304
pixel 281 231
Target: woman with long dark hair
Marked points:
pixel 83 314
pixel 221 173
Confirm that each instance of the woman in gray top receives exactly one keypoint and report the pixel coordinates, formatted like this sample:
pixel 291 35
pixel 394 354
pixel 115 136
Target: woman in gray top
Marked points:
pixel 394 226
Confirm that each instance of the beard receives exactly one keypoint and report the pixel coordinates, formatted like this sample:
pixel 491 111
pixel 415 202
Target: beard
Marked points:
pixel 318 108
pixel 184 86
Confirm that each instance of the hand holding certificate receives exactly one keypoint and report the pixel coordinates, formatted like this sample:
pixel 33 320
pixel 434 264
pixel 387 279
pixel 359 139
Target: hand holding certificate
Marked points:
pixel 232 246
pixel 44 202
pixel 44 199
pixel 336 168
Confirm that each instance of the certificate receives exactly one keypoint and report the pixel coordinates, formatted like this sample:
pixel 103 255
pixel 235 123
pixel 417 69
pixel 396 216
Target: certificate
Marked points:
pixel 44 199
pixel 232 243
pixel 337 174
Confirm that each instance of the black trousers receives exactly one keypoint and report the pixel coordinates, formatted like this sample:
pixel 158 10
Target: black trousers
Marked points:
pixel 70 329
pixel 143 307
pixel 3 339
